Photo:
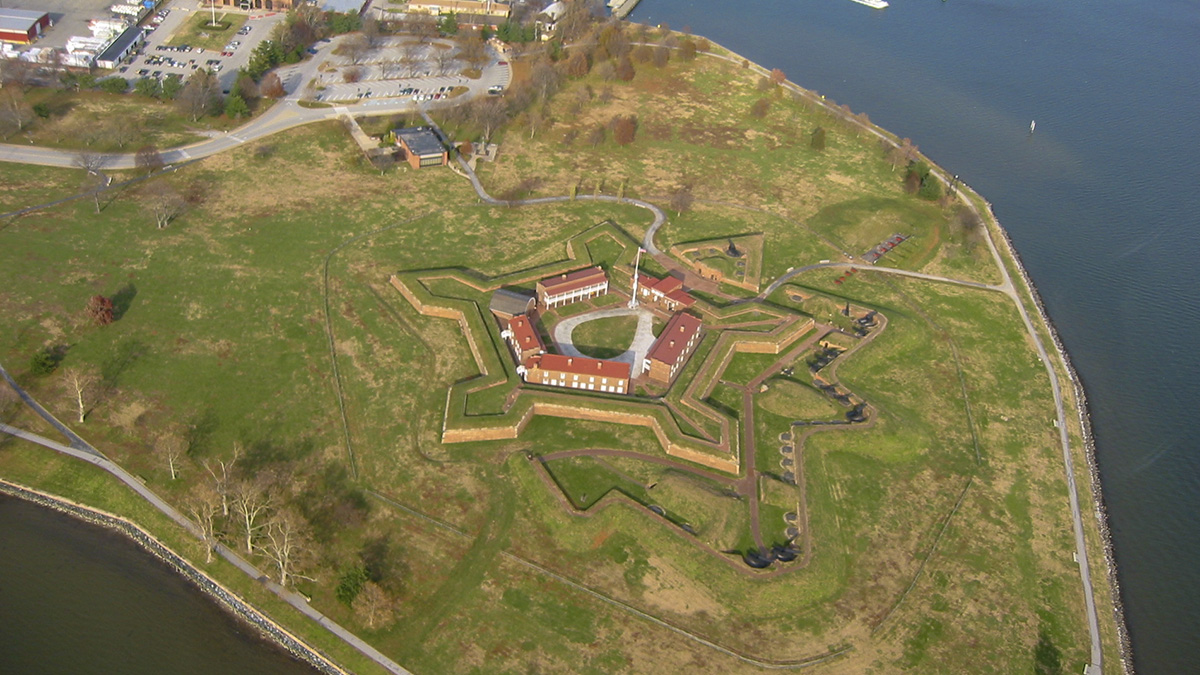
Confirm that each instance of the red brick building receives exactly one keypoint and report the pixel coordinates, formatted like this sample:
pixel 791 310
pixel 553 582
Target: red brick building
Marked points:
pixel 672 348
pixel 666 293
pixel 572 287
pixel 523 338
pixel 577 372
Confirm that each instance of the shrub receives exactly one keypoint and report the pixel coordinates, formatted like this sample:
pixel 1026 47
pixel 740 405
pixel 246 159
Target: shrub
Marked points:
pixel 45 361
pixel 113 85
pixel 818 139
pixel 760 108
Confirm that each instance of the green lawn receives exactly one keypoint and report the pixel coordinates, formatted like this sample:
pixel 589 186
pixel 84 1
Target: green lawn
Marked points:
pixel 605 338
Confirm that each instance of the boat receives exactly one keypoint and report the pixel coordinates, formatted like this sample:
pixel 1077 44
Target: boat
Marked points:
pixel 874 4
pixel 1032 125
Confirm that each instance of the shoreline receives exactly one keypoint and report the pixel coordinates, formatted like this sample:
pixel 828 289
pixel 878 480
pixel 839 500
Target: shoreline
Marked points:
pixel 1083 411
pixel 266 628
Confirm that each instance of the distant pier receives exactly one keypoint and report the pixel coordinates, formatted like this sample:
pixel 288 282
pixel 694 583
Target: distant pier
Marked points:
pixel 622 8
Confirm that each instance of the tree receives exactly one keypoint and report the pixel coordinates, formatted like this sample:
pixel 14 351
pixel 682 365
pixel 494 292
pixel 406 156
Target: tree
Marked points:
pixel 777 77
pixel 113 85
pixel 372 31
pixel 662 56
pixel 100 309
pixel 682 200
pixel 643 53
pixel 931 187
pixel 148 87
pixel 171 447
pixel 473 50
pixel 596 135
pixel 760 107
pixel 624 128
pixel 355 48
pixel 271 86
pixel 121 131
pixel 163 202
pixel 235 106
pixel 383 162
pixel 203 504
pixel 81 383
pixel 287 544
pixel 14 110
pixel 488 113
pixel 577 64
pixel 625 70
pixel 544 79
pixel 222 477
pixel 171 86
pixel 818 139
pixel 148 159
pixel 448 25
pixel 92 163
pixel 200 96
pixel 687 49
pixel 252 501
pixel 46 360
pixel 373 606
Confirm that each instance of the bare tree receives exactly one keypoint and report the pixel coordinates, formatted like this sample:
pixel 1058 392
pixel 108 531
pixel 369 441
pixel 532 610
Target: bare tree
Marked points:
pixel 221 472
pixel 148 159
pixel 597 135
pixel 371 31
pixel 287 544
pixel 94 180
pixel 355 48
pixel 171 446
pixel 203 504
pixel 545 78
pixel 15 111
pixel 122 130
pixel 200 96
pixel 252 501
pixel 9 403
pixel 373 606
pixel 410 56
pixel 443 59
pixel 488 113
pixel 682 200
pixel 473 50
pixel 383 162
pixel 81 383
pixel 163 202
pixel 271 86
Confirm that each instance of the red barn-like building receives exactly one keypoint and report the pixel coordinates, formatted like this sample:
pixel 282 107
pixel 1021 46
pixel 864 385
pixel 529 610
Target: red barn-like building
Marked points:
pixel 22 26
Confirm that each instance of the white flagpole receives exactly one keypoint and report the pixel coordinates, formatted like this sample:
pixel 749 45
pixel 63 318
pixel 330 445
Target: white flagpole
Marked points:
pixel 633 302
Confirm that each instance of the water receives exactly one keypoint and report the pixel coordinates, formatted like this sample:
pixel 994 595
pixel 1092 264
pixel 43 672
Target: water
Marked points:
pixel 75 598
pixel 1101 202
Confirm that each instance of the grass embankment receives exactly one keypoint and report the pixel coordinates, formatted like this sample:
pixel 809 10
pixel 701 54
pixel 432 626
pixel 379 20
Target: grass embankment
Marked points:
pixel 222 329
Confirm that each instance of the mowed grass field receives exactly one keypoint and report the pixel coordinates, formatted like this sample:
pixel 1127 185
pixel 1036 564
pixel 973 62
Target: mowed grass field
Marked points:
pixel 941 541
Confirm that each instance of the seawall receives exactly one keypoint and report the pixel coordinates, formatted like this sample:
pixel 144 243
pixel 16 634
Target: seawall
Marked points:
pixel 228 600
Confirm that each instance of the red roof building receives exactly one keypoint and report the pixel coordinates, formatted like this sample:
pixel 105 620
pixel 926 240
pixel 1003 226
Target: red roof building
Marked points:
pixel 672 348
pixel 572 287
pixel 523 338
pixel 22 26
pixel 577 372
pixel 667 293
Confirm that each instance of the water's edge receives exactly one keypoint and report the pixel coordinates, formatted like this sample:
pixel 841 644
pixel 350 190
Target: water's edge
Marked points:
pixel 224 598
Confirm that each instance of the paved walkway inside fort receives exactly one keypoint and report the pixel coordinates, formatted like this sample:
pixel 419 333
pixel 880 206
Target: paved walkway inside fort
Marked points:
pixel 643 337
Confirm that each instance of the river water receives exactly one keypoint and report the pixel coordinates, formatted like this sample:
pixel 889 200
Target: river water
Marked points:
pixel 76 598
pixel 1102 203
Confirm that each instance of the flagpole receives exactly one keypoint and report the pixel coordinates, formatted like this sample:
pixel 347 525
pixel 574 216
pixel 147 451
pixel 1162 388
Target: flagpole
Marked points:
pixel 633 302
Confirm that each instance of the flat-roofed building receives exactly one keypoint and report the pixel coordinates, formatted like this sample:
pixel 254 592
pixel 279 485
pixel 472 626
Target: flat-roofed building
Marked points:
pixel 671 350
pixel 478 8
pixel 523 338
pixel 577 372
pixel 119 48
pixel 422 147
pixel 667 293
pixel 22 26
pixel 571 287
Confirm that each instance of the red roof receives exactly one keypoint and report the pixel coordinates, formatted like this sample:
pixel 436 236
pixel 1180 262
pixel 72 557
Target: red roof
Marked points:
pixel 579 365
pixel 674 338
pixel 670 287
pixel 525 334
pixel 565 283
